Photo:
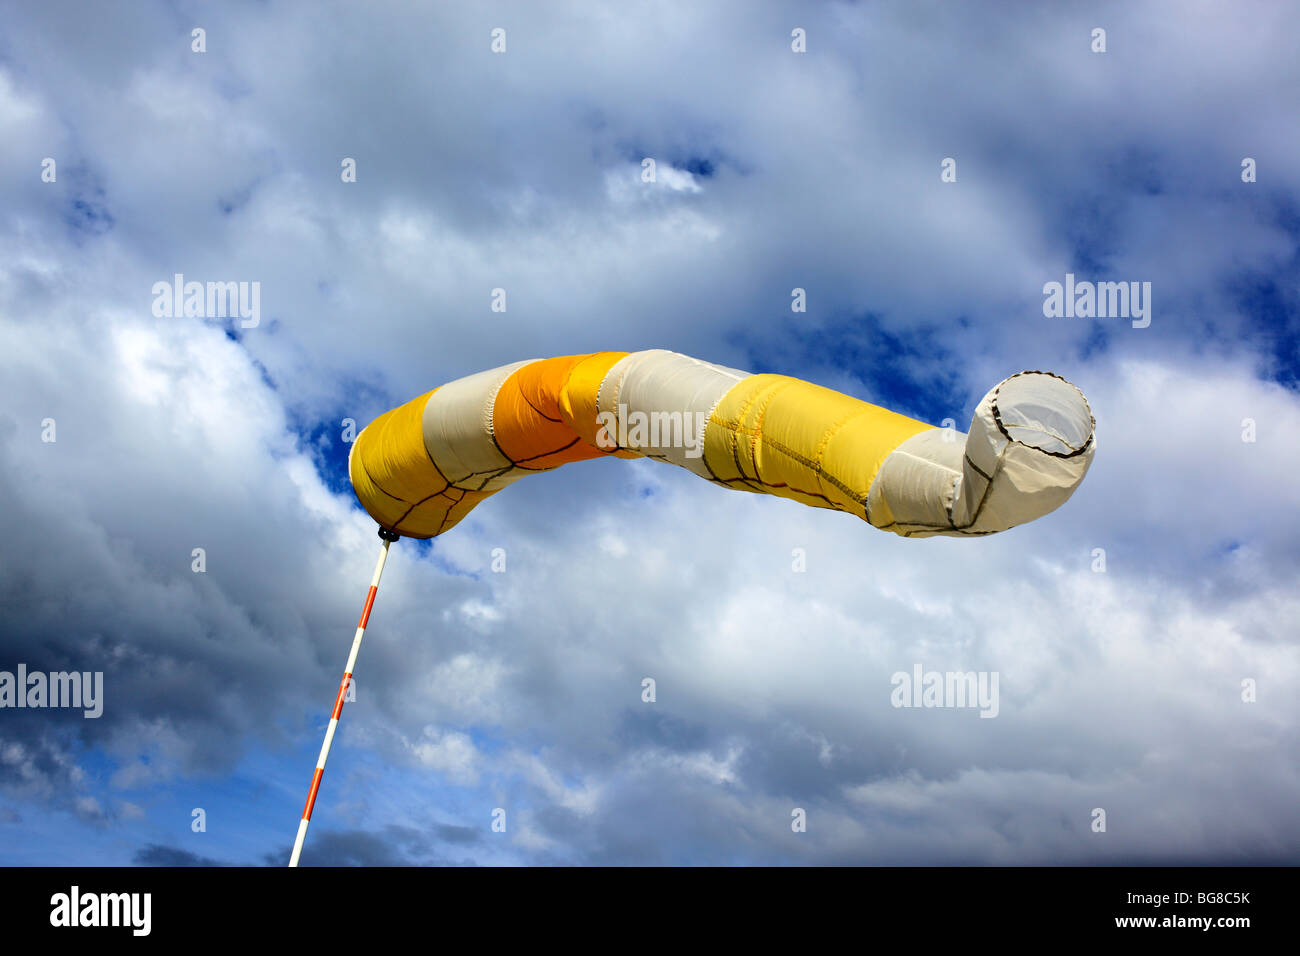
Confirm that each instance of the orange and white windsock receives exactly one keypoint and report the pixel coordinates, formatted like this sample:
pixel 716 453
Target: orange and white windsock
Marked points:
pixel 420 468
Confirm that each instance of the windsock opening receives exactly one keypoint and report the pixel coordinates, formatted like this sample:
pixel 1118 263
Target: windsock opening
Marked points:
pixel 1045 412
pixel 1031 441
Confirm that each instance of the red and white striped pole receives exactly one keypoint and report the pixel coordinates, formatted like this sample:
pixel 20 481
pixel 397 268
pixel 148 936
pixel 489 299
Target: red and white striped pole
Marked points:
pixel 389 537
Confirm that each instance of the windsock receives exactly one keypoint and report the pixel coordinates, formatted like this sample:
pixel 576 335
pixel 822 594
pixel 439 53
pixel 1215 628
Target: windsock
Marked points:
pixel 420 468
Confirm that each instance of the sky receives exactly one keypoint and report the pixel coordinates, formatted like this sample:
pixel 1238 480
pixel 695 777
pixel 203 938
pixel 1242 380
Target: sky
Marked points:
pixel 1144 635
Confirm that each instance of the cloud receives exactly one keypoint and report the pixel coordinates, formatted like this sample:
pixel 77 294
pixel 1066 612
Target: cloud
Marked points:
pixel 388 846
pixel 157 855
pixel 450 753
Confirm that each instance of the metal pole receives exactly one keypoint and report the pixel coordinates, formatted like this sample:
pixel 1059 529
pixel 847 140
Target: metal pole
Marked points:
pixel 389 537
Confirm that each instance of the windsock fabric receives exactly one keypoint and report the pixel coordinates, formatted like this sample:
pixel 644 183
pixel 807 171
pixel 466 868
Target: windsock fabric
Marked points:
pixel 420 468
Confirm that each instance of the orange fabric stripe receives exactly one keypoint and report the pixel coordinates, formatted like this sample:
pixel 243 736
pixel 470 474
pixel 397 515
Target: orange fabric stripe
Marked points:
pixel 545 412
pixel 526 417
pixel 577 399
